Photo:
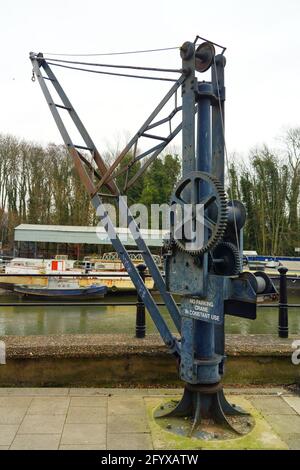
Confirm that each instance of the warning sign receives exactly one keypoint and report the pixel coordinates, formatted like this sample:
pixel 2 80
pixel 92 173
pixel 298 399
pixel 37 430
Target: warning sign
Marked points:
pixel 205 310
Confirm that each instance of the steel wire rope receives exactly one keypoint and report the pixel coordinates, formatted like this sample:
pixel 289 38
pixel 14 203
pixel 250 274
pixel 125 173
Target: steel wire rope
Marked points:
pixel 114 53
pixel 164 79
pixel 226 153
pixel 134 67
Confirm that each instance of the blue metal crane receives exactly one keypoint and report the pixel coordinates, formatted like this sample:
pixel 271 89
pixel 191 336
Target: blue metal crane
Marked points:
pixel 203 252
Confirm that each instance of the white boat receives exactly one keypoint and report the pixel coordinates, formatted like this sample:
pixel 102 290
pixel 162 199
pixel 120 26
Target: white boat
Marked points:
pixel 108 272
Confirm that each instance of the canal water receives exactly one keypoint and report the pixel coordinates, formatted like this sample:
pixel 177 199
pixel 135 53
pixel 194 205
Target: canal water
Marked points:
pixel 52 320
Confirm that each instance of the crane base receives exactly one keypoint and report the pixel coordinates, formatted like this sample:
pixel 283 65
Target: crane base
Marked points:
pixel 204 412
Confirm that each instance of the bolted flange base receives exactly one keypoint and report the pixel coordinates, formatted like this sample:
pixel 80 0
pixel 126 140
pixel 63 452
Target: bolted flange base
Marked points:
pixel 202 404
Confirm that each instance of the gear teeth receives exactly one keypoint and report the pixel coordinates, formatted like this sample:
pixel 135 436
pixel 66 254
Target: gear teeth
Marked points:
pixel 168 243
pixel 222 214
pixel 236 268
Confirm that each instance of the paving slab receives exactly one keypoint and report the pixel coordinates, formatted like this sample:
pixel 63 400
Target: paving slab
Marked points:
pixel 7 433
pixel 284 424
pixel 277 391
pixel 89 401
pixel 163 391
pixel 83 447
pixel 294 402
pixel 134 441
pixel 12 415
pixel 84 434
pixel 16 402
pixel 42 424
pixel 86 415
pixel 49 406
pixel 83 392
pixel 124 424
pixel 272 405
pixel 36 442
pixel 126 406
pixel 88 392
pixel 33 391
pixel 292 441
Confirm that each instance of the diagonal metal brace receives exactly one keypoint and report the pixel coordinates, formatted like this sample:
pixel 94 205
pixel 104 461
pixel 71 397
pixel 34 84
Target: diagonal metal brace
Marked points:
pixel 85 177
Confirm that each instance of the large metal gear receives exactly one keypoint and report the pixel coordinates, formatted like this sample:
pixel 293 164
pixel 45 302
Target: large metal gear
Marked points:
pixel 214 207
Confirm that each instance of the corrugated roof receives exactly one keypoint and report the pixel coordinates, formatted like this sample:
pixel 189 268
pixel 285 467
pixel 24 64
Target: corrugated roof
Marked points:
pixel 81 234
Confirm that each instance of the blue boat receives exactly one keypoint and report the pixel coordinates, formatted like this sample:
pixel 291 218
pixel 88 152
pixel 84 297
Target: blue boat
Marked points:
pixel 62 290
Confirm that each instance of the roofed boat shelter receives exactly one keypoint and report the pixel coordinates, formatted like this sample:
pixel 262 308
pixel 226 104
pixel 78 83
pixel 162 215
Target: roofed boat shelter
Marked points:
pixel 81 235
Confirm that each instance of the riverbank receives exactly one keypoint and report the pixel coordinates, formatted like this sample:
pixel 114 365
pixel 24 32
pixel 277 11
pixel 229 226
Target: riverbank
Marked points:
pixel 105 360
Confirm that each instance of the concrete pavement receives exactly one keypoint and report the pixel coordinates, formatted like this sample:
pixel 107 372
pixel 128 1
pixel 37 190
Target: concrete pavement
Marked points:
pixel 114 419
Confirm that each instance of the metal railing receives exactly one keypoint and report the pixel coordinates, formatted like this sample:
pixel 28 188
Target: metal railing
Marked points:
pixel 140 328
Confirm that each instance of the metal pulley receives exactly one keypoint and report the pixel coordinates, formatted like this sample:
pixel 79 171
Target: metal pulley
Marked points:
pixel 236 214
pixel 204 56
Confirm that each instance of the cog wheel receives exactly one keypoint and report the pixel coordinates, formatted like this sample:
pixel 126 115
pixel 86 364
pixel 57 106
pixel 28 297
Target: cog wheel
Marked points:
pixel 168 242
pixel 214 211
pixel 226 259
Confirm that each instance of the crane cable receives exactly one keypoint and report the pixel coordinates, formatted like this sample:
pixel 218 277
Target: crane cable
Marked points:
pixel 114 53
pixel 134 67
pixel 226 154
pixel 112 73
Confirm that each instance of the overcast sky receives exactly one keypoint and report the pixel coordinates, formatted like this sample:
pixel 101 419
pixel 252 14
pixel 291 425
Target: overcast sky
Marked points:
pixel 262 73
